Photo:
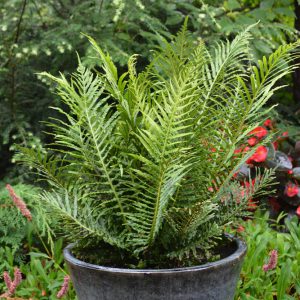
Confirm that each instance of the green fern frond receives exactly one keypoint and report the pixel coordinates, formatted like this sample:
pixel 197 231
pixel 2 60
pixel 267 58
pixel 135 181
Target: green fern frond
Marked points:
pixel 84 225
pixel 88 136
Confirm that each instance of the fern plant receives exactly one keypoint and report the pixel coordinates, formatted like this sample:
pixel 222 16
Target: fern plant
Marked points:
pixel 142 164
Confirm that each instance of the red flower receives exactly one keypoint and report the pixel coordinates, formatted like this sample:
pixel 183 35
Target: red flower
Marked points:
pixel 275 144
pixel 249 185
pixel 243 149
pixel 252 205
pixel 283 136
pixel 268 123
pixel 238 150
pixel 259 132
pixel 260 155
pixel 291 190
pixel 298 211
pixel 242 195
pixel 290 172
pixel 235 175
pixel 252 141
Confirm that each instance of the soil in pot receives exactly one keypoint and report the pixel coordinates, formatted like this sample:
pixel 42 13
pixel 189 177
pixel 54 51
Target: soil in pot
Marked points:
pixel 212 281
pixel 108 256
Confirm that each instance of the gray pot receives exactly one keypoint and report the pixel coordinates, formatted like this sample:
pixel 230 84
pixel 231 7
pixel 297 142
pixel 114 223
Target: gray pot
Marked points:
pixel 211 281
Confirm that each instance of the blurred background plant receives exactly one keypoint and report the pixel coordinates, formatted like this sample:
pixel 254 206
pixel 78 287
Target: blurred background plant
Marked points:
pixel 42 275
pixel 14 228
pixel 281 153
pixel 43 35
pixel 24 246
pixel 276 21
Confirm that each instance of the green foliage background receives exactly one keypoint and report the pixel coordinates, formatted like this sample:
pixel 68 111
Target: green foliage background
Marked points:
pixel 14 228
pixel 43 35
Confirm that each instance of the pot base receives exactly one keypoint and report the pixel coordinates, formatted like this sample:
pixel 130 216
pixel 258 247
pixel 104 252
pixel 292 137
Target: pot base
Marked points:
pixel 212 281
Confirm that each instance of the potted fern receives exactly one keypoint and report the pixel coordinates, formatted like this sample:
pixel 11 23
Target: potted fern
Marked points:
pixel 139 176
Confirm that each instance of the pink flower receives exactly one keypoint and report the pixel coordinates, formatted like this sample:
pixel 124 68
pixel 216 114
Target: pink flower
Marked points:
pixel 272 261
pixel 19 203
pixel 260 155
pixel 7 279
pixel 17 277
pixel 259 132
pixel 291 190
pixel 240 228
pixel 64 288
pixel 12 285
pixel 298 211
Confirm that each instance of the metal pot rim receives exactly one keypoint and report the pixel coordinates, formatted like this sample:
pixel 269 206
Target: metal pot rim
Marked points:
pixel 232 259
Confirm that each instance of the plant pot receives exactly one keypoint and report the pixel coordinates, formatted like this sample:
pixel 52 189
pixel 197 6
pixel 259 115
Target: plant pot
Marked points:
pixel 211 281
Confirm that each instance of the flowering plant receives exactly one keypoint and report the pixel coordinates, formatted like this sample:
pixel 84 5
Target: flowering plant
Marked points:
pixel 272 258
pixel 141 165
pixel 282 154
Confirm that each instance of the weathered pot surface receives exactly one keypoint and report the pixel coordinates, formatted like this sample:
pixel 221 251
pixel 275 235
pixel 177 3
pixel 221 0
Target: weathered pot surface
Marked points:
pixel 211 281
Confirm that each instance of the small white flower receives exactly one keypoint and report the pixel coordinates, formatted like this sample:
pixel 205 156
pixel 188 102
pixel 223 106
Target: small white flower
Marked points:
pixel 48 52
pixel 61 49
pixel 34 51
